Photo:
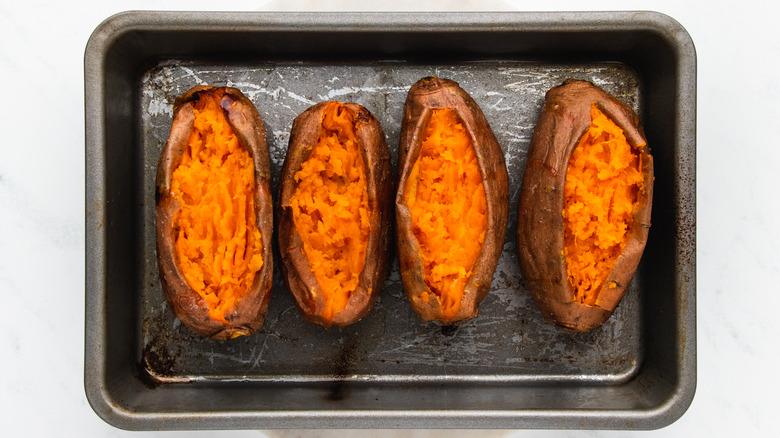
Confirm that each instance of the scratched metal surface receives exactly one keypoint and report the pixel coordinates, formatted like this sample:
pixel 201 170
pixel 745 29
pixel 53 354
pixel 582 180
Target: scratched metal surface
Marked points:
pixel 509 340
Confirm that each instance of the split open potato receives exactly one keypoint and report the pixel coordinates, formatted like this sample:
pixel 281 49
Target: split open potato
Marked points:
pixel 585 204
pixel 451 203
pixel 335 213
pixel 214 214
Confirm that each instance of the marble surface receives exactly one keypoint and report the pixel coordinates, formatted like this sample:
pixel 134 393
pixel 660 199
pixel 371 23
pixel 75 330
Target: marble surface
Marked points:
pixel 42 230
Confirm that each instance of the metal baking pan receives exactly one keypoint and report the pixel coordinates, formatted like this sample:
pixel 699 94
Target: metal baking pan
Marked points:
pixel 506 368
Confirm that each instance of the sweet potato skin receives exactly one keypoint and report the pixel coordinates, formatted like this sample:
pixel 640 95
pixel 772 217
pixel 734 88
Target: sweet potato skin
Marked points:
pixel 248 314
pixel 540 241
pixel 296 270
pixel 424 96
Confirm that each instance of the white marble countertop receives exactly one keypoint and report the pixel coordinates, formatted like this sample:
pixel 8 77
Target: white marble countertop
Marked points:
pixel 42 232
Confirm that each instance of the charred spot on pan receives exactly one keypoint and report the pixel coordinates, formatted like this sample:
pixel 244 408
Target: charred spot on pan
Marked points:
pixel 345 360
pixel 449 330
pixel 158 360
pixel 154 362
pixel 343 365
pixel 337 391
pixel 142 374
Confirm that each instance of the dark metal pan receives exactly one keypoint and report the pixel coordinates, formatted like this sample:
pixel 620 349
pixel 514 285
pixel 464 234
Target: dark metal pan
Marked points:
pixel 506 368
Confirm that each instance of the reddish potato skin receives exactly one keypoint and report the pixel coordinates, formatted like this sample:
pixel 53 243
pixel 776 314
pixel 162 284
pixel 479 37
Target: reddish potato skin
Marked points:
pixel 565 118
pixel 424 96
pixel 295 267
pixel 248 314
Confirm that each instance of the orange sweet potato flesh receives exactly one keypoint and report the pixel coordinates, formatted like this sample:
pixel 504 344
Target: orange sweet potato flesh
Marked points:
pixel 330 209
pixel 214 214
pixel 218 244
pixel 603 179
pixel 446 200
pixel 335 216
pixel 585 204
pixel 452 203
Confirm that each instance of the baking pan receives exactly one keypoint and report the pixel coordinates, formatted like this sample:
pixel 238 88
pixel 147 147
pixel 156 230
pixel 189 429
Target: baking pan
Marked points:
pixel 506 368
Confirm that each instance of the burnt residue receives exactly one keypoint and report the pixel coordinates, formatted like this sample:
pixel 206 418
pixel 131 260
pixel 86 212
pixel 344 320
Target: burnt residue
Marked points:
pixel 343 362
pixel 158 361
pixel 619 362
pixel 282 336
pixel 154 364
pixel 141 373
pixel 449 330
pixel 159 355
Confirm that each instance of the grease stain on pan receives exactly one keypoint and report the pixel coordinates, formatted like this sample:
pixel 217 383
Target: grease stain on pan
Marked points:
pixel 343 364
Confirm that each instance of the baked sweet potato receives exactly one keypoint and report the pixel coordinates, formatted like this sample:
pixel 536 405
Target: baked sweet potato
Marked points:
pixel 335 214
pixel 215 214
pixel 584 212
pixel 451 204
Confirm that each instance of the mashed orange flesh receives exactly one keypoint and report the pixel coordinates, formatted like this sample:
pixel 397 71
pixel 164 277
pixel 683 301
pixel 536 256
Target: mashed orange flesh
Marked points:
pixel 330 208
pixel 217 240
pixel 446 199
pixel 603 179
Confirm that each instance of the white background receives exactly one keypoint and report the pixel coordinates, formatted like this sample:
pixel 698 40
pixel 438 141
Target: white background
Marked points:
pixel 42 229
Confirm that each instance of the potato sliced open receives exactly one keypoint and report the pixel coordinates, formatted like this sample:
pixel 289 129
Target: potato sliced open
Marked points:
pixel 335 216
pixel 585 204
pixel 214 214
pixel 451 206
